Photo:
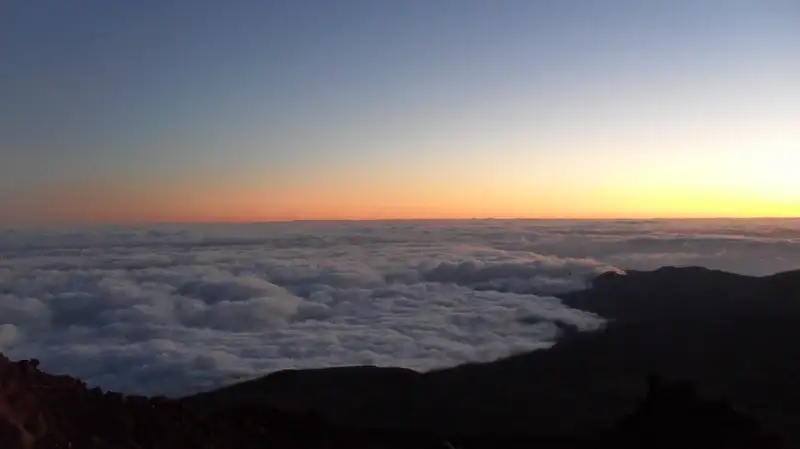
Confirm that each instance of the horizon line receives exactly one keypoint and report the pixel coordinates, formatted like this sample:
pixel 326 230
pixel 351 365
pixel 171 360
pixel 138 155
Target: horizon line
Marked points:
pixel 373 220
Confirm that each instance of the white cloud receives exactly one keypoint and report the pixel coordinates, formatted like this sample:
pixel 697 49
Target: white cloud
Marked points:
pixel 175 309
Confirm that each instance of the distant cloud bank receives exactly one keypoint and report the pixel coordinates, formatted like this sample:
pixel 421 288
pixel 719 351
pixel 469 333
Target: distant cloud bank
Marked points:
pixel 177 309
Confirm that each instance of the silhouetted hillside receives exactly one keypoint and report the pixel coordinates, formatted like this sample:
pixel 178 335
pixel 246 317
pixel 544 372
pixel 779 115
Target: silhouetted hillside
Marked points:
pixel 41 411
pixel 732 336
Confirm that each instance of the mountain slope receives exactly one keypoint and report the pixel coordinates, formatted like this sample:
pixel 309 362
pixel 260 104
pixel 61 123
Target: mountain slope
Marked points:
pixel 732 335
pixel 42 411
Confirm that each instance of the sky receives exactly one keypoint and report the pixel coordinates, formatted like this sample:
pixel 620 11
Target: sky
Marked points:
pixel 211 110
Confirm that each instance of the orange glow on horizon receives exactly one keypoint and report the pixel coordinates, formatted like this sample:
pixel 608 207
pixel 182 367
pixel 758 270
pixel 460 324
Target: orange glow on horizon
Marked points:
pixel 101 204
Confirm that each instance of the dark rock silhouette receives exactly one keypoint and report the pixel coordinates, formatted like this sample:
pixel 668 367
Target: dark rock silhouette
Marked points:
pixel 674 415
pixel 41 411
pixel 730 335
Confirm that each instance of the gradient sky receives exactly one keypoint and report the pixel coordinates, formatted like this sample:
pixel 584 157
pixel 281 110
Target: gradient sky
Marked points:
pixel 204 110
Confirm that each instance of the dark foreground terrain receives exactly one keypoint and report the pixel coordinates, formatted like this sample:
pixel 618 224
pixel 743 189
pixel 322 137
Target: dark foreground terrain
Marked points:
pixel 729 337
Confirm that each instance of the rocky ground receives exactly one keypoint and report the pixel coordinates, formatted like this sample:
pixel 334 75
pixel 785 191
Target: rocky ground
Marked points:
pixel 39 410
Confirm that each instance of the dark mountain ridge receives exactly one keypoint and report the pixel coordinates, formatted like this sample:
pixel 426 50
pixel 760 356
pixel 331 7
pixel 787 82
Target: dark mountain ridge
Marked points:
pixel 731 335
pixel 42 411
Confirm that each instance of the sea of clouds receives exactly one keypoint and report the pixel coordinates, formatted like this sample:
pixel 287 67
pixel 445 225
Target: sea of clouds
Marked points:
pixel 175 309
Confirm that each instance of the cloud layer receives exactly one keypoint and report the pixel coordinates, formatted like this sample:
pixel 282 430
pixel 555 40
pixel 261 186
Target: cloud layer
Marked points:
pixel 177 309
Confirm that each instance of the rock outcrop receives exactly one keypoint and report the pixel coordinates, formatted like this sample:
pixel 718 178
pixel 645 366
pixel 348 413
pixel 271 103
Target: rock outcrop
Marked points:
pixel 38 410
pixel 42 411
